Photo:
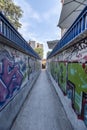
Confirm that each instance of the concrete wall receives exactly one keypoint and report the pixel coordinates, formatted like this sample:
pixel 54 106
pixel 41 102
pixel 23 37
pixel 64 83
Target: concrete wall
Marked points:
pixel 69 69
pixel 18 72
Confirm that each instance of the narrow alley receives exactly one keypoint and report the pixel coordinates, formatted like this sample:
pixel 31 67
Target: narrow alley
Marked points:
pixel 42 109
pixel 43 65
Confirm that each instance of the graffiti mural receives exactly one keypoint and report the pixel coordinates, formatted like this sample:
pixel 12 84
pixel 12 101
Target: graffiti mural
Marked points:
pixel 32 68
pixel 62 76
pixel 77 75
pixel 16 70
pixel 10 76
pixel 71 72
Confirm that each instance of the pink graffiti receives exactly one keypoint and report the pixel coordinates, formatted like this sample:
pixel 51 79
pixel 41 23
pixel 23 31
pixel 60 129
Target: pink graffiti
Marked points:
pixel 11 77
pixel 16 82
pixel 8 74
pixel 3 92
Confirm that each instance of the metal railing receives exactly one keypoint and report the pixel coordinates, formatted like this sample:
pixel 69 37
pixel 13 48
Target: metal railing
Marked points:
pixel 78 27
pixel 8 31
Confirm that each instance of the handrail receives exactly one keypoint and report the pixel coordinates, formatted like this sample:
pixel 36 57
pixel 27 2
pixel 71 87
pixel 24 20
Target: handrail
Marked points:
pixel 8 31
pixel 77 28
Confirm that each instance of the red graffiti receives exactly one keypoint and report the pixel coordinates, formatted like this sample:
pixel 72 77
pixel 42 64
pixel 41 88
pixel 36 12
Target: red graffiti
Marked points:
pixel 83 65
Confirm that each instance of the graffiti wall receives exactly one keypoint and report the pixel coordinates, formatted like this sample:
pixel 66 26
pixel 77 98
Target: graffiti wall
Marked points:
pixel 71 72
pixel 77 75
pixel 16 69
pixel 62 76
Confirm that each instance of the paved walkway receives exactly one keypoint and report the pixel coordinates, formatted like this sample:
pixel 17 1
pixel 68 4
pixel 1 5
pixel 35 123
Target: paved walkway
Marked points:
pixel 42 109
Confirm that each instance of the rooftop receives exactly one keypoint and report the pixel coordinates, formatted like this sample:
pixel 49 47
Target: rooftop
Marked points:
pixel 52 44
pixel 70 11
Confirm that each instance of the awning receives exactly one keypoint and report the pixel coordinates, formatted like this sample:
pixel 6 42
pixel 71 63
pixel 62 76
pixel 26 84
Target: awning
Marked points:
pixel 70 10
pixel 52 44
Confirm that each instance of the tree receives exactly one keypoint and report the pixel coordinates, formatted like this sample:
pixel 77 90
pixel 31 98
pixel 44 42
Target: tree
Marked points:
pixel 11 11
pixel 39 51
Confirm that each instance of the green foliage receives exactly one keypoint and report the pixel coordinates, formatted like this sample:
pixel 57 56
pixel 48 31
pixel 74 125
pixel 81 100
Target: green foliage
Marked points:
pixel 39 51
pixel 62 76
pixel 11 11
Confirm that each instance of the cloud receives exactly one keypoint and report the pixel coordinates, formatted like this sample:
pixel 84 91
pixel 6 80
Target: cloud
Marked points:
pixel 51 13
pixel 39 26
pixel 29 12
pixel 27 34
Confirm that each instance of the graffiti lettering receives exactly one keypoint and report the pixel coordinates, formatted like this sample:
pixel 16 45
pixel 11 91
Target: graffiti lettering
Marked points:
pixel 80 46
pixel 3 92
pixel 10 78
pixel 76 51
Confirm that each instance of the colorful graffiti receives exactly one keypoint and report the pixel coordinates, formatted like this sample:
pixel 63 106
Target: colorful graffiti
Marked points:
pixel 62 76
pixel 16 69
pixel 10 76
pixel 71 72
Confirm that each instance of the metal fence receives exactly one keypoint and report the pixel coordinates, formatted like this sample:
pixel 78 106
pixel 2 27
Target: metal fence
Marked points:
pixel 77 28
pixel 8 31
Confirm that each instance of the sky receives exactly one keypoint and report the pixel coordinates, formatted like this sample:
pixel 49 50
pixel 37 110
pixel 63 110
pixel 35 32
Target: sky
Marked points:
pixel 39 20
